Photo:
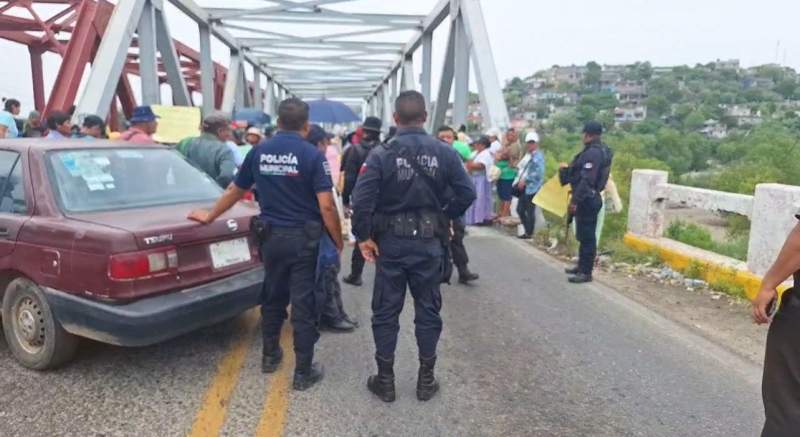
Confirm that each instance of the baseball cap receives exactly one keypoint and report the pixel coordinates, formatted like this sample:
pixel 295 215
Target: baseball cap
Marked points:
pixel 532 137
pixel 483 139
pixel 373 123
pixel 255 131
pixel 493 132
pixel 593 128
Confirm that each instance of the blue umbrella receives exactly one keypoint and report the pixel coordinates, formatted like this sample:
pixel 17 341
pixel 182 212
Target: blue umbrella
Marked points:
pixel 331 111
pixel 252 116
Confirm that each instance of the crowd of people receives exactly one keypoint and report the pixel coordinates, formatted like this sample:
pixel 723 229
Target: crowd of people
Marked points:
pixel 345 177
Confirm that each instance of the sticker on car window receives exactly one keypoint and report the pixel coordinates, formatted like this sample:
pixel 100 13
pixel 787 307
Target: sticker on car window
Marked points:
pixel 93 169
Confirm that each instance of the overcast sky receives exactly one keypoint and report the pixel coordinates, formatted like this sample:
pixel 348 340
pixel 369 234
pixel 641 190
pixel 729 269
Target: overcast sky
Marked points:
pixel 528 35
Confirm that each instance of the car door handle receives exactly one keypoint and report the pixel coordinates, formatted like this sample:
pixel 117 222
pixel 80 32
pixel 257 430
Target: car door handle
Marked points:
pixel 4 233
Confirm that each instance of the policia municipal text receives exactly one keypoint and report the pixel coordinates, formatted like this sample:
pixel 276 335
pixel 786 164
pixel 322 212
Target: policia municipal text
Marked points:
pixel 408 192
pixel 296 199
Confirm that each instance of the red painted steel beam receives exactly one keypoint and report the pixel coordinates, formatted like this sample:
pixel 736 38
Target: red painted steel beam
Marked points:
pixel 85 39
pixel 37 74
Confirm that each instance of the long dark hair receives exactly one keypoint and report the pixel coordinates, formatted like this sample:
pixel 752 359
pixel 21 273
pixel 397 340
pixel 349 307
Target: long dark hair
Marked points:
pixel 9 104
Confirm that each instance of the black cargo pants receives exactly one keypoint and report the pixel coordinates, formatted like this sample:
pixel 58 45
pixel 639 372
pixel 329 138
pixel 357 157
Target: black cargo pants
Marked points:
pixel 781 384
pixel 416 264
pixel 457 249
pixel 586 232
pixel 290 260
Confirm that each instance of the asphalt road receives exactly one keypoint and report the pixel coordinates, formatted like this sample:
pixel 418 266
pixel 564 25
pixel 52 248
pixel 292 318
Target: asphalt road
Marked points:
pixel 522 354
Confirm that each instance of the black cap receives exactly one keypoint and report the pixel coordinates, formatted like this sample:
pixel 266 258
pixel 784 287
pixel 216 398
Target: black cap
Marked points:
pixel 316 134
pixel 373 124
pixel 593 128
pixel 93 121
pixel 483 139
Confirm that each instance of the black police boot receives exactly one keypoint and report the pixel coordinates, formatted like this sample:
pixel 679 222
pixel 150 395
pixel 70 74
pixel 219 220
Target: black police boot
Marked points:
pixel 306 373
pixel 340 325
pixel 350 320
pixel 580 278
pixel 427 386
pixel 382 384
pixel 571 270
pixel 465 276
pixel 271 355
pixel 353 280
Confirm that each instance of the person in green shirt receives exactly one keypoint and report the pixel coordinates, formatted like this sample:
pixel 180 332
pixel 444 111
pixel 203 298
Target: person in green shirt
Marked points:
pixel 505 161
pixel 448 135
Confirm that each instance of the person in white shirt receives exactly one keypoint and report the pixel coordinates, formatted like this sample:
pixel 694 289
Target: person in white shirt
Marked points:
pixel 494 137
pixel 482 210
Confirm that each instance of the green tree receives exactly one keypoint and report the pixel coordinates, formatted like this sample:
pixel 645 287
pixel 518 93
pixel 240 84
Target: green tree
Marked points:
pixel 657 106
pixel 786 88
pixel 594 72
pixel 694 121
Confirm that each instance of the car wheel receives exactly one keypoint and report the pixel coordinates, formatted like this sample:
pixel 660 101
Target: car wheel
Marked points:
pixel 33 334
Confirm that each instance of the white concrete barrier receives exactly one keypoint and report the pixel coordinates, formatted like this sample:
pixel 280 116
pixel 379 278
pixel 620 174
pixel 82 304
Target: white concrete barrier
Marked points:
pixel 771 211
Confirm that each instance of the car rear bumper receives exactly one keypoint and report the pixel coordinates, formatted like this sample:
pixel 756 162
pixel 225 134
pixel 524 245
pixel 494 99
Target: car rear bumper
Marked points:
pixel 155 319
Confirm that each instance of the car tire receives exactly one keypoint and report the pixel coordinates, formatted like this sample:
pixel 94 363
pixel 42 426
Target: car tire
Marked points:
pixel 35 337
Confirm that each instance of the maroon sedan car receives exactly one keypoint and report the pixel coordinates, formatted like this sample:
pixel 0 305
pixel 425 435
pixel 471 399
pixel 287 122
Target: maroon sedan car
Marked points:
pixel 95 243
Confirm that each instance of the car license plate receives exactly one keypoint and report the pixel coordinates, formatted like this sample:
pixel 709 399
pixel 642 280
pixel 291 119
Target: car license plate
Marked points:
pixel 231 252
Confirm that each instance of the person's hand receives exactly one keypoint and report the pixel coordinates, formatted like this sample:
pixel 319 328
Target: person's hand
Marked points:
pixel 521 185
pixel 761 305
pixel 563 165
pixel 200 215
pixel 369 250
pixel 573 208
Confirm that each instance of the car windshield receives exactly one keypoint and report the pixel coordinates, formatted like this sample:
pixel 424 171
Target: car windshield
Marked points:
pixel 110 179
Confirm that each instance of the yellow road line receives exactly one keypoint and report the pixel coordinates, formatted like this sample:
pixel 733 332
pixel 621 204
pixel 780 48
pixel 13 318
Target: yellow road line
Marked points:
pixel 211 416
pixel 276 405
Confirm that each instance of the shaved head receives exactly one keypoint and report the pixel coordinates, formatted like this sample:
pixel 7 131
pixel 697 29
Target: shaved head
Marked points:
pixel 410 109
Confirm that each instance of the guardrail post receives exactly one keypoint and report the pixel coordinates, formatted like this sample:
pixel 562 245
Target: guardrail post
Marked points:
pixel 646 211
pixel 774 209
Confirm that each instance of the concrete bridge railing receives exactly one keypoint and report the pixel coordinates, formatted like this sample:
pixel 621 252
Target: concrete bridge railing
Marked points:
pixel 771 211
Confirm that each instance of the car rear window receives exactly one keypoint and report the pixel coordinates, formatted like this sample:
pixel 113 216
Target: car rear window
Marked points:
pixel 110 179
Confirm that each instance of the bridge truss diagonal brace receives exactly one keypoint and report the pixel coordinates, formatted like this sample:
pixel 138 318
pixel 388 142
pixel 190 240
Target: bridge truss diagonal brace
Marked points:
pixel 232 83
pixel 493 104
pixel 171 62
pixel 110 60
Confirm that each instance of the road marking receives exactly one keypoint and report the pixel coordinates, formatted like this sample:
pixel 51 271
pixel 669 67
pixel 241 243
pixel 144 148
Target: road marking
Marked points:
pixel 211 416
pixel 276 405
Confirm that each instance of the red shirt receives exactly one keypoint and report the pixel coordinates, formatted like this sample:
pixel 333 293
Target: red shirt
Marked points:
pixel 137 136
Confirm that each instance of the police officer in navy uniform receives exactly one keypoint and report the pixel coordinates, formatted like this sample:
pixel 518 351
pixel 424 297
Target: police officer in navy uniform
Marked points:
pixel 781 381
pixel 408 191
pixel 587 175
pixel 352 161
pixel 297 206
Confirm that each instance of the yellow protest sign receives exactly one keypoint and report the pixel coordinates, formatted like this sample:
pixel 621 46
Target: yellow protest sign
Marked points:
pixel 176 123
pixel 554 198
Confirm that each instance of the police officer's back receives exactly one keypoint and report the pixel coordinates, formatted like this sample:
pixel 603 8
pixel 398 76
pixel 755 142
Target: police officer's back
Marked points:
pixel 408 191
pixel 296 200
pixel 587 175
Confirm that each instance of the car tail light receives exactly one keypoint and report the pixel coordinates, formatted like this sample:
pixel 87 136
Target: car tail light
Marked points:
pixel 142 265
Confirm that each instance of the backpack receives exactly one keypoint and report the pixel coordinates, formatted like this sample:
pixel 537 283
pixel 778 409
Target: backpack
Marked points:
pixel 605 170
